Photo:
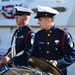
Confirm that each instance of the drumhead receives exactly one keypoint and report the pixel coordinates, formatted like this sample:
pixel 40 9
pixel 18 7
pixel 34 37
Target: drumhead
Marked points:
pixel 17 71
pixel 23 71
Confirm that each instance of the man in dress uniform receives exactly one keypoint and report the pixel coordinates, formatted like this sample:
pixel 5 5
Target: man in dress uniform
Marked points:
pixel 51 43
pixel 22 39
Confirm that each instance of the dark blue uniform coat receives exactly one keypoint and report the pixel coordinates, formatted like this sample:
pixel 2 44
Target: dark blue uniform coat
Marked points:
pixel 24 40
pixel 55 44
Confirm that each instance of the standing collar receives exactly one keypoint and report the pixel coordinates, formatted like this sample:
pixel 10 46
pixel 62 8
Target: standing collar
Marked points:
pixel 23 27
pixel 51 30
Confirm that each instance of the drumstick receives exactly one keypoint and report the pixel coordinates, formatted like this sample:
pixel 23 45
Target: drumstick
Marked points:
pixel 8 53
pixel 1 63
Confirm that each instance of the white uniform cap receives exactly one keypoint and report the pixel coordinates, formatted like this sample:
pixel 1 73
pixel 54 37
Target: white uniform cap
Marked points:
pixel 47 9
pixel 43 11
pixel 22 10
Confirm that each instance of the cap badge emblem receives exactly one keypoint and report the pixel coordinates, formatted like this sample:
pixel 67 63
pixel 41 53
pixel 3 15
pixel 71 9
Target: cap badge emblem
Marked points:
pixel 46 14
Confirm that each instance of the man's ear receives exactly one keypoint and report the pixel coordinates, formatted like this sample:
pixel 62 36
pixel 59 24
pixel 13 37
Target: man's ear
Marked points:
pixel 49 20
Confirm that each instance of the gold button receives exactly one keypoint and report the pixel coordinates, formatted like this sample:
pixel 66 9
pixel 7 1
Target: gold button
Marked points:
pixel 48 34
pixel 47 51
pixel 50 31
pixel 47 60
pixel 46 14
pixel 39 48
pixel 48 43
pixel 56 48
pixel 22 36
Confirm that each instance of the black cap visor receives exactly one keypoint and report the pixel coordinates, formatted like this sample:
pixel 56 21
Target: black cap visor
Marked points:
pixel 44 14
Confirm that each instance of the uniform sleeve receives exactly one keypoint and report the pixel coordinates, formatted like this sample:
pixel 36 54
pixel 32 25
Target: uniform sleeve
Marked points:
pixel 27 51
pixel 35 47
pixel 69 55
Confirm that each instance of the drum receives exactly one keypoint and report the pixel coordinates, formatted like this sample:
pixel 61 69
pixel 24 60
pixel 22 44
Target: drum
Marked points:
pixel 17 71
pixel 2 66
pixel 23 71
pixel 44 66
pixel 2 69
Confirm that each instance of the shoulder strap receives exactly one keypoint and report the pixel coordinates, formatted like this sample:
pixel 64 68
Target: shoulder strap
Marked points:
pixel 63 38
pixel 27 36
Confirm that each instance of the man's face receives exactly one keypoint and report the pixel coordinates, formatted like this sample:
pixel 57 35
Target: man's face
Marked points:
pixel 42 22
pixel 20 20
